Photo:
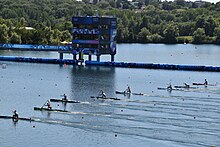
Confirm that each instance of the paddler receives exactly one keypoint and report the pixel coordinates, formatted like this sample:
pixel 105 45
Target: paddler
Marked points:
pixel 128 90
pixel 48 105
pixel 64 97
pixel 187 85
pixel 102 94
pixel 15 115
pixel 169 87
pixel 206 82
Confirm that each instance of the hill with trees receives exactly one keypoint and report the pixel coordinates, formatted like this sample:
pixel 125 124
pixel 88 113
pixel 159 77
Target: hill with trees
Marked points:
pixel 143 21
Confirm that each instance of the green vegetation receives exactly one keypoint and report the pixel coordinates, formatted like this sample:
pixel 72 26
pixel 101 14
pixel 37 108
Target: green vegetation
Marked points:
pixel 146 21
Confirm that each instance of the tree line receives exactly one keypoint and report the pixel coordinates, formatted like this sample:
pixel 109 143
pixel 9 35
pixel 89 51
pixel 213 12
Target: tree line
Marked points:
pixel 149 21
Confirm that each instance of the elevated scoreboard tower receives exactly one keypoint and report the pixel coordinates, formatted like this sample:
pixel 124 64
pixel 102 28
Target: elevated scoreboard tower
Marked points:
pixel 94 35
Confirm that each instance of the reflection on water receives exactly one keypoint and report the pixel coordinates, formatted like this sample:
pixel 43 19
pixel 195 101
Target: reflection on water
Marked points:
pixel 88 81
pixel 92 79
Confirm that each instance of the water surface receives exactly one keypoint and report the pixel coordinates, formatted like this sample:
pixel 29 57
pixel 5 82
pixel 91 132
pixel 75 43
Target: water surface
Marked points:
pixel 159 118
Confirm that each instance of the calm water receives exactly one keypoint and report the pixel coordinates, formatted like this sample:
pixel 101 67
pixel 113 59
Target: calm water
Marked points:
pixel 159 118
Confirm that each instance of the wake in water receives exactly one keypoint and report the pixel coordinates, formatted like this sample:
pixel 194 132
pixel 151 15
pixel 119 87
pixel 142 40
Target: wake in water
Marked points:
pixel 193 121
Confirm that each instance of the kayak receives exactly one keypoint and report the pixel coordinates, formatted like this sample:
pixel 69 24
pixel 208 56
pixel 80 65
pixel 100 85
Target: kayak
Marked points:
pixel 127 93
pixel 185 87
pixel 169 89
pixel 122 92
pixel 19 118
pixel 198 84
pixel 107 98
pixel 204 84
pixel 64 101
pixel 48 109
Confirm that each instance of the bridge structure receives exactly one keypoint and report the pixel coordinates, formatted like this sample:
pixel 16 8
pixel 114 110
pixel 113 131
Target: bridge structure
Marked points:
pixel 34 47
pixel 61 50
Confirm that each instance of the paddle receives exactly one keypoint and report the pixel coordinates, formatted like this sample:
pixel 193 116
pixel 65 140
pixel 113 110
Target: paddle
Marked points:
pixel 44 104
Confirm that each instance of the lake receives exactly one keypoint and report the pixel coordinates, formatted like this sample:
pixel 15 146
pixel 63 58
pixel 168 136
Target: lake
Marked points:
pixel 186 117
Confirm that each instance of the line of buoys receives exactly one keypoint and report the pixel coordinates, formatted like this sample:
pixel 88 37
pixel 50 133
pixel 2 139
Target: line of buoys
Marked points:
pixel 156 66
pixel 37 60
pixel 115 64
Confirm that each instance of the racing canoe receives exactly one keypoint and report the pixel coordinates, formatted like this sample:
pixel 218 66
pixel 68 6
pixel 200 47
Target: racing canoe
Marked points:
pixel 169 89
pixel 204 84
pixel 48 109
pixel 19 118
pixel 106 98
pixel 185 87
pixel 127 93
pixel 64 101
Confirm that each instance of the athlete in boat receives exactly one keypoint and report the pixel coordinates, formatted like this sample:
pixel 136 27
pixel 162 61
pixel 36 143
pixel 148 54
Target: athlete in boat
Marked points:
pixel 128 90
pixel 48 105
pixel 206 82
pixel 102 94
pixel 15 115
pixel 64 97
pixel 169 87
pixel 187 85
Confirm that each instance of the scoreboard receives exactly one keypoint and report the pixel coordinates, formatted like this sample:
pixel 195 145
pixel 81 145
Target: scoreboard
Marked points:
pixel 94 35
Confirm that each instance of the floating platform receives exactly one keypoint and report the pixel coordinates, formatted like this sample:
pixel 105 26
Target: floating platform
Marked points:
pixel 156 66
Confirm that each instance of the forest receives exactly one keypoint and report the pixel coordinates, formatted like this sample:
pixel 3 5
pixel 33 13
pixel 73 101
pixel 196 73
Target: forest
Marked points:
pixel 149 21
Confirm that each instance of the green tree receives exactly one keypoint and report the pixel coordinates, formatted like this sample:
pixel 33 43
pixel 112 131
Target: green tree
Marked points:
pixel 8 13
pixel 56 37
pixel 103 5
pixel 210 25
pixel 48 34
pixel 27 36
pixel 66 36
pixel 199 35
pixel 15 38
pixel 146 20
pixel 186 28
pixel 200 22
pixel 144 35
pixel 112 3
pixel 157 19
pixel 22 22
pixel 4 38
pixel 217 34
pixel 156 38
pixel 180 2
pixel 125 34
pixel 170 33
